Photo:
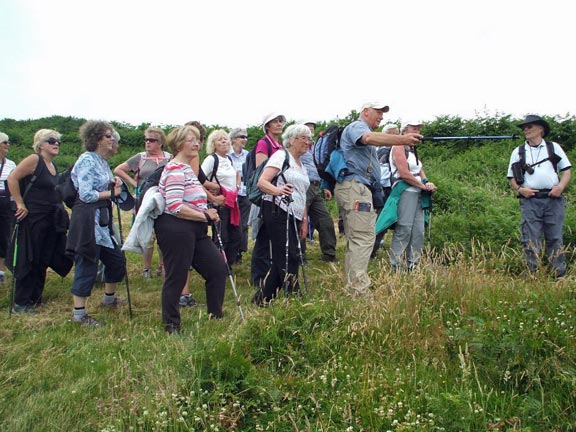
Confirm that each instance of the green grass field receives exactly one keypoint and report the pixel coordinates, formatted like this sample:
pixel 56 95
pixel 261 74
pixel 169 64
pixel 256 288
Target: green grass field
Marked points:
pixel 464 347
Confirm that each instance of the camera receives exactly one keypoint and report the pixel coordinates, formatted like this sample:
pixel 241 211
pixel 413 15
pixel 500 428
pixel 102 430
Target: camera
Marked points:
pixel 529 169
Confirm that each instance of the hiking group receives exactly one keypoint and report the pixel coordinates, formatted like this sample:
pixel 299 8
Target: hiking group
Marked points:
pixel 278 189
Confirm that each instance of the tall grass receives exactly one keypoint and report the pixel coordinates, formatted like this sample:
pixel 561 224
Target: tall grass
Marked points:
pixel 462 344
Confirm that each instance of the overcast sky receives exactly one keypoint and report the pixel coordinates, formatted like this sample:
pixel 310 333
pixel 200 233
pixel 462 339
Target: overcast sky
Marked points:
pixel 229 62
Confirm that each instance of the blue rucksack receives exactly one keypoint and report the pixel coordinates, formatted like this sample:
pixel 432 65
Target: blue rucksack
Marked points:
pixel 328 142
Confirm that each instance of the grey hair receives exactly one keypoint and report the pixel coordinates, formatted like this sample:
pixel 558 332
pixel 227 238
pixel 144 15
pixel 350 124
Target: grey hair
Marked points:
pixel 4 137
pixel 116 135
pixel 292 132
pixel 235 132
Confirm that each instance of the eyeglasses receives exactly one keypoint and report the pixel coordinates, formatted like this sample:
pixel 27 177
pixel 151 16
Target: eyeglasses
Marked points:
pixel 304 138
pixel 53 141
pixel 241 136
pixel 108 135
pixel 152 140
pixel 528 126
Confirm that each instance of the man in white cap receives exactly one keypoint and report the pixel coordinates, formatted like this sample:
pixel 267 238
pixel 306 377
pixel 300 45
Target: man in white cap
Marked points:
pixel 354 194
pixel 533 174
pixel 272 125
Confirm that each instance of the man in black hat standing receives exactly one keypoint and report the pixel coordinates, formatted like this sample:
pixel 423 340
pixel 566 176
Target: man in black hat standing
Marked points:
pixel 533 172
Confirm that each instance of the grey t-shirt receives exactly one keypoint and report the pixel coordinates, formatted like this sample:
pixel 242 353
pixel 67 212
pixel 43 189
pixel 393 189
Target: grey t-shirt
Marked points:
pixel 361 159
pixel 142 164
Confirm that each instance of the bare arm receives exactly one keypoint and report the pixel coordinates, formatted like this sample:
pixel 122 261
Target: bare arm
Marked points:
pixel 266 186
pixel 381 139
pixel 23 169
pixel 123 171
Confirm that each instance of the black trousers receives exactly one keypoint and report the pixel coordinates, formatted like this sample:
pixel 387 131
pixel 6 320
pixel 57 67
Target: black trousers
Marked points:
pixel 275 226
pixel 184 243
pixel 245 205
pixel 231 234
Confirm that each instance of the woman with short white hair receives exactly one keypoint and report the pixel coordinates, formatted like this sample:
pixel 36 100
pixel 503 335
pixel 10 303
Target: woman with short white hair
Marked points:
pixel 6 202
pixel 284 182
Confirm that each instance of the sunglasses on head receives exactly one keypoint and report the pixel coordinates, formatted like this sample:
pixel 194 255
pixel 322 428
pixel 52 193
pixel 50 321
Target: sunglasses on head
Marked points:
pixel 152 140
pixel 53 141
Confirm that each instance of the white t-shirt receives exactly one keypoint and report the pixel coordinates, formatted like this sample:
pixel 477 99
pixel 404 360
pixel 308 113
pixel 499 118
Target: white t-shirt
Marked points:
pixel 544 176
pixel 415 166
pixel 297 176
pixel 226 174
pixel 7 167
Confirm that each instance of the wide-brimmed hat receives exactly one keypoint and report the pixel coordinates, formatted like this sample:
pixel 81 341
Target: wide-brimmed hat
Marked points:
pixel 536 119
pixel 269 117
pixel 125 199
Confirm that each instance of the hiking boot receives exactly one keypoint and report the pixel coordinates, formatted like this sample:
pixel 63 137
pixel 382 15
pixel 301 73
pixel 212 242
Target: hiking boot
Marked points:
pixel 26 309
pixel 187 301
pixel 159 271
pixel 146 274
pixel 117 302
pixel 88 321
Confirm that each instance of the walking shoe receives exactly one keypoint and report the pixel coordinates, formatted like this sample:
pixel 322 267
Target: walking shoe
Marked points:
pixel 329 258
pixel 88 321
pixel 146 274
pixel 159 271
pixel 188 301
pixel 117 302
pixel 26 309
pixel 172 329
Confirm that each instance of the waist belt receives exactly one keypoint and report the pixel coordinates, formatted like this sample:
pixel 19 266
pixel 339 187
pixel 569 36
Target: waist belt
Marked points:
pixel 542 193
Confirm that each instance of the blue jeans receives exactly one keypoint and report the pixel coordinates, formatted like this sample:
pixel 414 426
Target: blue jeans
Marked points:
pixel 86 270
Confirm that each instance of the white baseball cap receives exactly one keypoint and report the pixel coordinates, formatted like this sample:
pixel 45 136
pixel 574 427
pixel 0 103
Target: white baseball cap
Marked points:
pixel 389 126
pixel 411 122
pixel 375 105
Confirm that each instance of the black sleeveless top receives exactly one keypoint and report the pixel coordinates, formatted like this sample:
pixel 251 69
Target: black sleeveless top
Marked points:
pixel 42 193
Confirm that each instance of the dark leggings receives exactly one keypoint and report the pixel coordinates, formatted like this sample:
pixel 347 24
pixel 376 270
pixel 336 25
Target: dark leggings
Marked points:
pixel 184 243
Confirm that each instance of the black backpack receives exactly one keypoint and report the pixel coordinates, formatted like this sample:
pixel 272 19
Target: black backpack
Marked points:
pixel 328 141
pixel 249 165
pixel 152 180
pixel 253 192
pixel 215 168
pixel 65 187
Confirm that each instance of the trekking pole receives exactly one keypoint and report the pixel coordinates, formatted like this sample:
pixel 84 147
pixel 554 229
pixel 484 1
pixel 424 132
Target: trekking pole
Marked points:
pixel 286 279
pixel 123 255
pixel 469 138
pixel 300 254
pixel 13 287
pixel 221 247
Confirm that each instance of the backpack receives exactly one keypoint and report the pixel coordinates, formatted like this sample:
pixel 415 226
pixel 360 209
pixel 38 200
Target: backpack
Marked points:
pixel 144 158
pixel 152 180
pixel 215 168
pixel 253 192
pixel 552 157
pixel 328 141
pixel 383 155
pixel 249 165
pixel 65 187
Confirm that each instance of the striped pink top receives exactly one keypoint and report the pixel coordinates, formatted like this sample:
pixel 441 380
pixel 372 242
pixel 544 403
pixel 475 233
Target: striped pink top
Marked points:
pixel 180 187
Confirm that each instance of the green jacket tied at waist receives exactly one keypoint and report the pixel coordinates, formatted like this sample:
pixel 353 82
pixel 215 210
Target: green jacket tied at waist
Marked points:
pixel 389 214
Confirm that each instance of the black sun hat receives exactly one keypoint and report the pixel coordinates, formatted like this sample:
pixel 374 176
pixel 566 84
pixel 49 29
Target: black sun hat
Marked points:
pixel 125 199
pixel 536 119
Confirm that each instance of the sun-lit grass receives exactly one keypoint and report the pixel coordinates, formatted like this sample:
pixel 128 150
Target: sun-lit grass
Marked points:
pixel 464 343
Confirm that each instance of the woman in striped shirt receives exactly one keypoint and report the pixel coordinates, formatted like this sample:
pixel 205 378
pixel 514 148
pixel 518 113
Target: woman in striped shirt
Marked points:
pixel 182 231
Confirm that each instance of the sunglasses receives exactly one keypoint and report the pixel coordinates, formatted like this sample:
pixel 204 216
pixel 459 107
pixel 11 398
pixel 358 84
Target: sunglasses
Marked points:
pixel 5 142
pixel 241 136
pixel 53 141
pixel 152 140
pixel 108 135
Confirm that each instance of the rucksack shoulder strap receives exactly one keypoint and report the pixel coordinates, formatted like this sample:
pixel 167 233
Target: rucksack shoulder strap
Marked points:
pixel 554 158
pixel 215 168
pixel 269 145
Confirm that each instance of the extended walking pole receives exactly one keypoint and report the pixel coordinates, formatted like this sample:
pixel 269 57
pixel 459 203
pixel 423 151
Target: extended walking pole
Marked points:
pixel 470 138
pixel 13 287
pixel 286 279
pixel 124 257
pixel 301 255
pixel 221 247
